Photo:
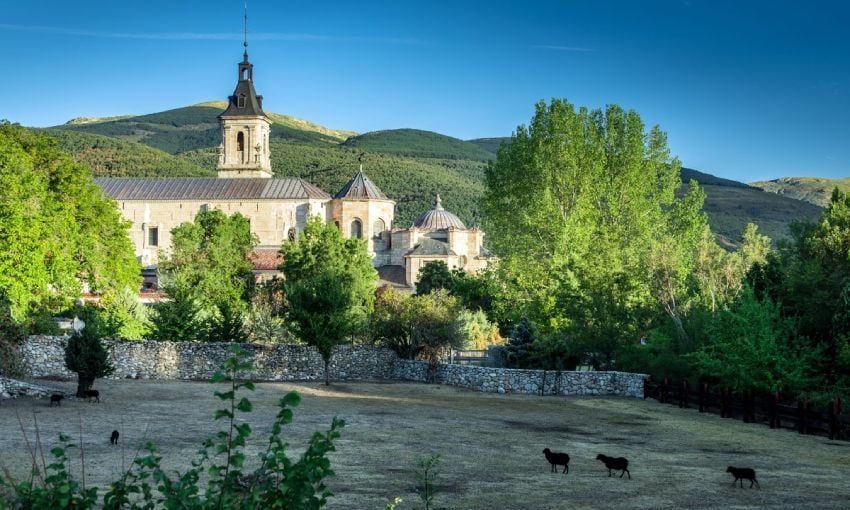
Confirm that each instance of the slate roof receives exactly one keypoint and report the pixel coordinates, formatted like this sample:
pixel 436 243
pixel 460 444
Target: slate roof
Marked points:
pixel 438 219
pixel 253 104
pixel 361 187
pixel 209 188
pixel 428 247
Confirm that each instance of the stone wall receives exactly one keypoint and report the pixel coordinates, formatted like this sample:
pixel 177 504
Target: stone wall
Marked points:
pixel 44 357
pixel 529 382
pixel 12 388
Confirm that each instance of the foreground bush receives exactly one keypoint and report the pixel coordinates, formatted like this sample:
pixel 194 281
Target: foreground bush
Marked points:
pixel 278 482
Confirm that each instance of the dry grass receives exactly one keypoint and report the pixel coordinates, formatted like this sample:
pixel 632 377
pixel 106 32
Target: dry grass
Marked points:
pixel 491 445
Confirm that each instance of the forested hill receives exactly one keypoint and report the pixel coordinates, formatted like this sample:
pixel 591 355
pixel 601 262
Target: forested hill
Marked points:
pixel 815 190
pixel 411 166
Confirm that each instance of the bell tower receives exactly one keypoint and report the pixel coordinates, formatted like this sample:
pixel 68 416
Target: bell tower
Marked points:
pixel 245 129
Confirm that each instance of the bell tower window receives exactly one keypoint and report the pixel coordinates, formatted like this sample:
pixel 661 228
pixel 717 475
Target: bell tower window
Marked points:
pixel 241 102
pixel 240 141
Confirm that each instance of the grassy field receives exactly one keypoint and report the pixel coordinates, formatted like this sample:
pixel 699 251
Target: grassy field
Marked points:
pixel 490 444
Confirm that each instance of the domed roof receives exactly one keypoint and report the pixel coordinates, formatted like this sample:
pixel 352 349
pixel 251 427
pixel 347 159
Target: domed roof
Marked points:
pixel 438 219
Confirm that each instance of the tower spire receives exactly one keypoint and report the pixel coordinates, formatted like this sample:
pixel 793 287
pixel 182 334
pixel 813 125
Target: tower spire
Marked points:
pixel 245 29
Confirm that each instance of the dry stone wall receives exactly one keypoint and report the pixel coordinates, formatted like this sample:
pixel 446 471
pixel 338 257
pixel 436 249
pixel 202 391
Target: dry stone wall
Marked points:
pixel 529 382
pixel 43 356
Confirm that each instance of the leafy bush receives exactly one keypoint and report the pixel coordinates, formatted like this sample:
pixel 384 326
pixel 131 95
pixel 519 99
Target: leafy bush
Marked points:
pixel 277 483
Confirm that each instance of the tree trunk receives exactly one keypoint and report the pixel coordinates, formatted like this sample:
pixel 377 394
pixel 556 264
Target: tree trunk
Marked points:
pixel 84 384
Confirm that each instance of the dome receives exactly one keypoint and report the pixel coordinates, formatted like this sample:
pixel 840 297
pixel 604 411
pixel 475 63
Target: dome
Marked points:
pixel 438 219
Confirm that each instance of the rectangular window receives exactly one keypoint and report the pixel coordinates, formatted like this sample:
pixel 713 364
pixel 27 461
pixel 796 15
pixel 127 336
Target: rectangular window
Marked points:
pixel 153 236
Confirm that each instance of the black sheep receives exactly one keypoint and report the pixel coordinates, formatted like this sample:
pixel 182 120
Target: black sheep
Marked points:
pixel 92 394
pixel 113 439
pixel 557 459
pixel 743 474
pixel 56 398
pixel 615 464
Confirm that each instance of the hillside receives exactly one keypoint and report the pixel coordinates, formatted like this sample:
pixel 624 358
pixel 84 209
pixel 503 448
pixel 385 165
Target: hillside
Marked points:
pixel 410 165
pixel 419 144
pixel 815 190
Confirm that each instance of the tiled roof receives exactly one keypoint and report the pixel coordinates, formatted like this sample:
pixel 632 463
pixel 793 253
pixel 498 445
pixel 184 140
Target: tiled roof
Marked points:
pixel 266 259
pixel 361 187
pixel 209 189
pixel 392 275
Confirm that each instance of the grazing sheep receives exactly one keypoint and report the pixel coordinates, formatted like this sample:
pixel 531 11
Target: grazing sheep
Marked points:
pixel 743 474
pixel 113 439
pixel 92 394
pixel 557 459
pixel 616 464
pixel 56 398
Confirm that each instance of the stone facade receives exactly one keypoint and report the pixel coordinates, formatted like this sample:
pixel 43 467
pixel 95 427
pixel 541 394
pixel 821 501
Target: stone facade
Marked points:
pixel 44 357
pixel 273 221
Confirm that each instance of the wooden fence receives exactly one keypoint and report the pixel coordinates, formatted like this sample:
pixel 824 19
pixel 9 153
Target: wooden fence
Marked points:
pixel 753 408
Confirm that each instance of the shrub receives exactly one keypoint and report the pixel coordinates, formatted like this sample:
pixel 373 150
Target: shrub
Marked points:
pixel 86 356
pixel 277 483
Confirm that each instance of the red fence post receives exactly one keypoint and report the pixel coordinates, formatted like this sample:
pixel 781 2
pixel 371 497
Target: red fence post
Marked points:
pixel 803 416
pixel 665 391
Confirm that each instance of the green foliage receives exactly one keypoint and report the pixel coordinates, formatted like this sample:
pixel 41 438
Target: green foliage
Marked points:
pixel 226 324
pixel 580 206
pixel 59 230
pixel 330 285
pixel 426 475
pixel 217 478
pixel 433 276
pixel 420 326
pixel 178 319
pixel 490 145
pixel 121 315
pixel 752 347
pixel 264 325
pixel 209 259
pixel 475 331
pixel 112 157
pixel 11 336
pixel 87 357
pixel 521 343
pixel 419 144
pixel 57 488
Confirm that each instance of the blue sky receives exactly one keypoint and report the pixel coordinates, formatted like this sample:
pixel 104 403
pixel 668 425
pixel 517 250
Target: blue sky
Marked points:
pixel 745 89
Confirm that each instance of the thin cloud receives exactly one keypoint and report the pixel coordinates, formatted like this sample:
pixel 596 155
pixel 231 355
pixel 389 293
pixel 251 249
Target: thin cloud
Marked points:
pixel 206 36
pixel 560 48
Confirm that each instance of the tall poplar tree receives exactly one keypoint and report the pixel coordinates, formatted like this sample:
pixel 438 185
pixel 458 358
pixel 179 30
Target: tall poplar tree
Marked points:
pixel 578 206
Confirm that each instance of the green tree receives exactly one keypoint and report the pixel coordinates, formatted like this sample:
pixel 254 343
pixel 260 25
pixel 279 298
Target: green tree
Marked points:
pixel 392 320
pixel 121 315
pixel 209 258
pixel 226 324
pixel 433 328
pixel 521 342
pixel 178 318
pixel 58 232
pixel 434 275
pixel 330 285
pixel 752 347
pixel 476 331
pixel 579 207
pixel 86 355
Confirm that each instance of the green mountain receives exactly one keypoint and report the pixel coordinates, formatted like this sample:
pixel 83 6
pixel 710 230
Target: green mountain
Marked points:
pixel 411 166
pixel 490 145
pixel 815 190
pixel 418 144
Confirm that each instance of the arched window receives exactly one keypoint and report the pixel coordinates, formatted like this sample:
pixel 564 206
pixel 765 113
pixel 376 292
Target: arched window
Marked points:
pixel 240 141
pixel 292 235
pixel 356 229
pixel 378 228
